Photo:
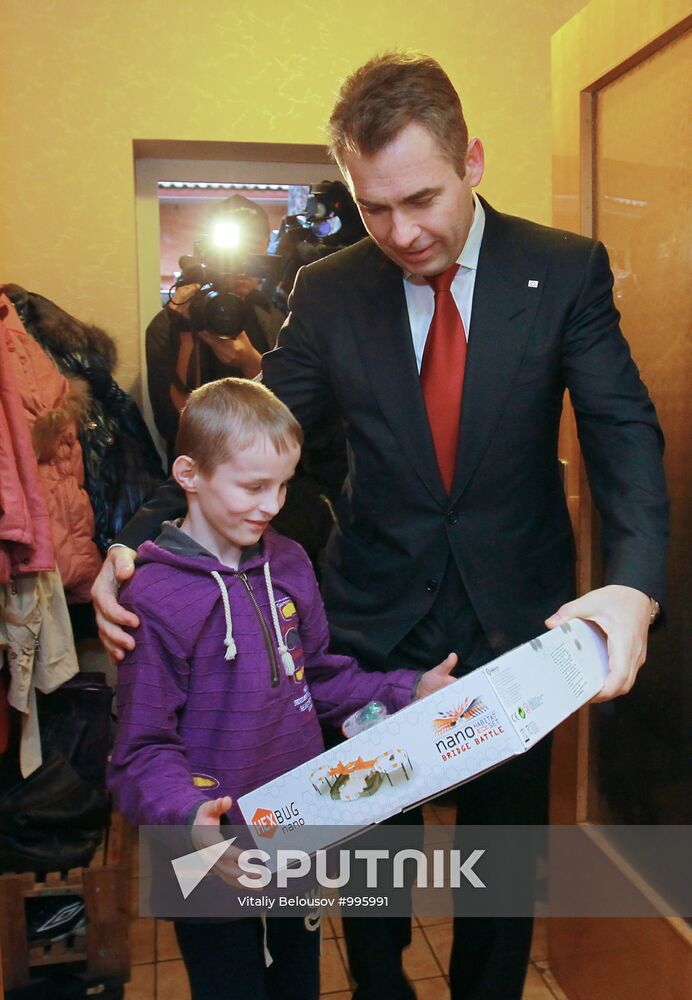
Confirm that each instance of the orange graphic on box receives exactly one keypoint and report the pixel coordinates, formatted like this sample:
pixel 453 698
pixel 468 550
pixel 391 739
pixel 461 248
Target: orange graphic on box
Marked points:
pixel 469 708
pixel 265 822
pixel 351 767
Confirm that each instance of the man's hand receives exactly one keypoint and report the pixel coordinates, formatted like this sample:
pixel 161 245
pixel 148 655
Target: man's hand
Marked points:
pixel 119 566
pixel 237 353
pixel 432 680
pixel 206 830
pixel 624 614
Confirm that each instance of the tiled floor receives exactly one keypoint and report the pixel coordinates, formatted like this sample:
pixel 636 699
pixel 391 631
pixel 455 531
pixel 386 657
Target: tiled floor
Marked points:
pixel 159 974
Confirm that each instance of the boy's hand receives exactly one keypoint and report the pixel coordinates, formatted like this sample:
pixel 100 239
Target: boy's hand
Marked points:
pixel 210 813
pixel 206 831
pixel 438 677
pixel 119 565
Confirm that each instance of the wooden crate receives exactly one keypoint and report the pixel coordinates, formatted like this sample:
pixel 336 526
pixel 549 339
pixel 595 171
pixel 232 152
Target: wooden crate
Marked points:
pixel 104 885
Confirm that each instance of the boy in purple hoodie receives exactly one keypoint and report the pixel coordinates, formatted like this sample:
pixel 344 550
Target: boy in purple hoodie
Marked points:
pixel 231 664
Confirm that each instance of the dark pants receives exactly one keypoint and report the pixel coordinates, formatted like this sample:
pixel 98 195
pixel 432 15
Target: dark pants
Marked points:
pixel 374 944
pixel 490 955
pixel 225 961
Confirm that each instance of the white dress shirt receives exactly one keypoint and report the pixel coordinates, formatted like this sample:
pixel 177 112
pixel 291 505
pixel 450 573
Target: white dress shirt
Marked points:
pixel 420 298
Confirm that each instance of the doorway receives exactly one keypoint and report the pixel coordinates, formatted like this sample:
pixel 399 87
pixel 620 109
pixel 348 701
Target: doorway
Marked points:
pixel 264 172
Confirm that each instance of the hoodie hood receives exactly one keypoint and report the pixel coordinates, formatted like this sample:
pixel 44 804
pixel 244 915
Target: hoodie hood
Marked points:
pixel 177 542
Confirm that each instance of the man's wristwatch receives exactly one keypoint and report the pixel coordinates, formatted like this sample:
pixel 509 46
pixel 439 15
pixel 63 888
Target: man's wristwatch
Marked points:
pixel 655 610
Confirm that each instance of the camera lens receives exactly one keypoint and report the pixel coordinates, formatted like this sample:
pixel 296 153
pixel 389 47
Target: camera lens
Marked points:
pixel 327 227
pixel 222 313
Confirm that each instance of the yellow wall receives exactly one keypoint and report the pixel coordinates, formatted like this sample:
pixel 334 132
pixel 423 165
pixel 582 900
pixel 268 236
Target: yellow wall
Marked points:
pixel 79 81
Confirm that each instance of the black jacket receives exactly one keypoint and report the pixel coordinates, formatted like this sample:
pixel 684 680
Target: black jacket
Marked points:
pixel 543 320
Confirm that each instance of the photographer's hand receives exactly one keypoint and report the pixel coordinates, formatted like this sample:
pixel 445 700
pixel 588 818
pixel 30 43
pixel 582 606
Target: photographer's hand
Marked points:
pixel 238 353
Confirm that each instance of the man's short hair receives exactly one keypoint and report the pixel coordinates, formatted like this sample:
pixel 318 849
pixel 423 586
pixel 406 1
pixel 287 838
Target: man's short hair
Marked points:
pixel 392 91
pixel 225 417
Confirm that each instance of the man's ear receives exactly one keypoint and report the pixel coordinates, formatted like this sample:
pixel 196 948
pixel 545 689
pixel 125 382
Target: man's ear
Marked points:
pixel 475 162
pixel 186 473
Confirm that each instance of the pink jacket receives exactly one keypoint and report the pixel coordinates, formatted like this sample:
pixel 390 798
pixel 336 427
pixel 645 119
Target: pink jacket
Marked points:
pixel 26 542
pixel 53 406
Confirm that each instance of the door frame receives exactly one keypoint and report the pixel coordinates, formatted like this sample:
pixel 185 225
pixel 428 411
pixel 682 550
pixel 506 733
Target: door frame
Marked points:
pixel 601 43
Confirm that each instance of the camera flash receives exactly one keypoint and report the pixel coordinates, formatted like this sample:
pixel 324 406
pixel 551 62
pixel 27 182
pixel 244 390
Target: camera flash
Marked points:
pixel 226 234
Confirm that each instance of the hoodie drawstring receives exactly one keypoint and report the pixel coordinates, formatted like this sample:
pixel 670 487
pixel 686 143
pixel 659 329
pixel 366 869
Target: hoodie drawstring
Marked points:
pixel 268 960
pixel 229 641
pixel 286 658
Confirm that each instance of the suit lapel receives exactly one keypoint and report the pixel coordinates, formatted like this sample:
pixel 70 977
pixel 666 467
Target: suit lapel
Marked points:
pixel 504 307
pixel 386 348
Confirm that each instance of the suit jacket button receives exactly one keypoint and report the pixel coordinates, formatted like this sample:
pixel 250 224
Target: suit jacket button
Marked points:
pixel 431 586
pixel 452 517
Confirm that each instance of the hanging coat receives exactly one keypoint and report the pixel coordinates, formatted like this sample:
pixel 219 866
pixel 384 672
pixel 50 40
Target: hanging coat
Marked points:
pixel 54 407
pixel 121 464
pixel 26 542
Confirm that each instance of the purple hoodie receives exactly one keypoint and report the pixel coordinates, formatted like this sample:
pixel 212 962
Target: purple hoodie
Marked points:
pixel 225 687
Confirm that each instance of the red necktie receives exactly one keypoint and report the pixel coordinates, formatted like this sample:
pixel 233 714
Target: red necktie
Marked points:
pixel 442 373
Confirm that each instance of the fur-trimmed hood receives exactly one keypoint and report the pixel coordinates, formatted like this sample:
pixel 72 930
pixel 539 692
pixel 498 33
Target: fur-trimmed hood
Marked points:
pixel 50 425
pixel 60 332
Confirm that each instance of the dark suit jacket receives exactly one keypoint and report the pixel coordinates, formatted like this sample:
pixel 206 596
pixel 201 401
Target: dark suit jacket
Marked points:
pixel 347 345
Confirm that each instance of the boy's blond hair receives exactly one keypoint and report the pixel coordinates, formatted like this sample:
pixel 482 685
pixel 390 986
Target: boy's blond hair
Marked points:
pixel 224 417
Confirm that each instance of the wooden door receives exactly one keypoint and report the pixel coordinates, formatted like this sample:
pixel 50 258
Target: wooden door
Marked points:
pixel 622 155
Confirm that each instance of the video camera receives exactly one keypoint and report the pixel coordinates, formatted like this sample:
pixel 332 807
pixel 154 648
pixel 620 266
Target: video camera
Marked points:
pixel 329 222
pixel 214 306
pixel 331 215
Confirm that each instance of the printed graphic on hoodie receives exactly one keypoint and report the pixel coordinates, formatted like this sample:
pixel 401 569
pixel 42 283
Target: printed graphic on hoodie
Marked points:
pixel 204 781
pixel 289 622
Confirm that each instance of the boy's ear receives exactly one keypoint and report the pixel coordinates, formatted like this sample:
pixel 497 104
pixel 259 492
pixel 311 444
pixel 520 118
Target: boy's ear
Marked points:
pixel 186 474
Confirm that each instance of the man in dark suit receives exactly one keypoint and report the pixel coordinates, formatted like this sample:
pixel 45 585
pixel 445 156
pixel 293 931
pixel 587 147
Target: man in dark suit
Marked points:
pixel 453 532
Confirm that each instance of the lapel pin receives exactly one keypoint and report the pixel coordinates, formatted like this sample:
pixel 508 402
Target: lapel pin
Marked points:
pixel 533 283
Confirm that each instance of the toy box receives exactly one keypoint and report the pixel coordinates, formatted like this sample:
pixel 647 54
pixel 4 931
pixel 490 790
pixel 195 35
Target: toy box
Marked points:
pixel 450 737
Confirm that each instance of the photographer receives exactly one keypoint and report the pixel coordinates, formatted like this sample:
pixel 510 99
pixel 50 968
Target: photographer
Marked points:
pixel 203 334
pixel 181 355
